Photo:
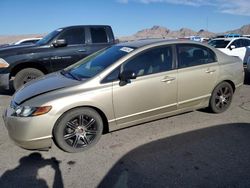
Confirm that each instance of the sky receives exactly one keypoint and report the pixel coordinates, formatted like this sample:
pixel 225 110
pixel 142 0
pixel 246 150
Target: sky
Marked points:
pixel 125 16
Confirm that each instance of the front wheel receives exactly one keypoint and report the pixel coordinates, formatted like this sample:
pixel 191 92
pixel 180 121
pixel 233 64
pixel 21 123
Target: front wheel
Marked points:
pixel 221 98
pixel 78 130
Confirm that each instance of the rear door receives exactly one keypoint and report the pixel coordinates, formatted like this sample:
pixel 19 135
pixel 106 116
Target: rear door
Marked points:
pixel 197 74
pixel 98 37
pixel 75 50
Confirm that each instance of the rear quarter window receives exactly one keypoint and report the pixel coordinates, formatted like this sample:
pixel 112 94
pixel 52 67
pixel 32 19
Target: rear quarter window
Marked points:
pixel 98 35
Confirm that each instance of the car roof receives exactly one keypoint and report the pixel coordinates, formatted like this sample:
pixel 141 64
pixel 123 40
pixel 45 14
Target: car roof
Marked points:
pixel 75 26
pixel 146 42
pixel 231 38
pixel 225 39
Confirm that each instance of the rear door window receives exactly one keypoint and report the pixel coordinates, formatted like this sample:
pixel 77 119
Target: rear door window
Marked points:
pixel 193 55
pixel 238 43
pixel 98 35
pixel 246 42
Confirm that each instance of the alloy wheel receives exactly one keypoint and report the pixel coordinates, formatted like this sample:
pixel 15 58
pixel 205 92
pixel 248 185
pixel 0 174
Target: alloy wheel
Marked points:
pixel 223 97
pixel 80 131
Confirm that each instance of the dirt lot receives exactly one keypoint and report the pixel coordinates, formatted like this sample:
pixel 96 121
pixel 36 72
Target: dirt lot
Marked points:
pixel 195 149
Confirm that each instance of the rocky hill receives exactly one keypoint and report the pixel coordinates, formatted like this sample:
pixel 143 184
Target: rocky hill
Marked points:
pixel 244 30
pixel 162 32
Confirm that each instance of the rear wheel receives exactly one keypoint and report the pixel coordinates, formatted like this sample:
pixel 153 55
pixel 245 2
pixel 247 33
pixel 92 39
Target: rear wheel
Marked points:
pixel 26 75
pixel 78 130
pixel 221 98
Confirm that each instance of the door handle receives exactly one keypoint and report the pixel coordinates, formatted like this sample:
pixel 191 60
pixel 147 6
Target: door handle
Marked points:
pixel 209 71
pixel 168 79
pixel 82 50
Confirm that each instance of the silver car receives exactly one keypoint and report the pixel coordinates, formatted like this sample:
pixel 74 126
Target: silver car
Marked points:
pixel 120 86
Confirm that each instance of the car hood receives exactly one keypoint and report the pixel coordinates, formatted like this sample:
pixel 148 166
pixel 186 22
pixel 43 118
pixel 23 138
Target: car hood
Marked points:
pixel 48 83
pixel 16 49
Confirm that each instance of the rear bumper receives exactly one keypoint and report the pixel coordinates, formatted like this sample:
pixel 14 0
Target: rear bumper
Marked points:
pixel 4 80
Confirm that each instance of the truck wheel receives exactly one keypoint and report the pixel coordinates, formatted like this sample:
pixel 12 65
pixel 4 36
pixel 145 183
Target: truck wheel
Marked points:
pixel 78 130
pixel 26 75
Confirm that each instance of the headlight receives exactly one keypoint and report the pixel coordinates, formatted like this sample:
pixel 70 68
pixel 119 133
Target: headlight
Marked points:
pixel 3 63
pixel 28 111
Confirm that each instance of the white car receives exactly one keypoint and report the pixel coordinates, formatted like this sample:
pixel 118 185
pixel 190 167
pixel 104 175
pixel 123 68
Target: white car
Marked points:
pixel 27 41
pixel 195 38
pixel 233 46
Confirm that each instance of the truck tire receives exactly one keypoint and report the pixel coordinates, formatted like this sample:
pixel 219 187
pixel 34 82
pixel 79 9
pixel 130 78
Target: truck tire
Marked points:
pixel 26 75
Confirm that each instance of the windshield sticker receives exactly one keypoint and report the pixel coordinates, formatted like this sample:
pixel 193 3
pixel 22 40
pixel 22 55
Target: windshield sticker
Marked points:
pixel 126 49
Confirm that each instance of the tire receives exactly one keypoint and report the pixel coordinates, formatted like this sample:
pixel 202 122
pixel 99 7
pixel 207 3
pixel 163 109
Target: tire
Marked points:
pixel 26 75
pixel 78 130
pixel 221 98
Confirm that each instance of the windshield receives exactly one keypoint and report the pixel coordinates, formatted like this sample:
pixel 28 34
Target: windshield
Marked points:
pixel 97 62
pixel 49 37
pixel 219 43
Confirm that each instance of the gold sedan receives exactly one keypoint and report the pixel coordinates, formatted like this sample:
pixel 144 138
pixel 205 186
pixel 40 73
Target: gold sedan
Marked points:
pixel 124 85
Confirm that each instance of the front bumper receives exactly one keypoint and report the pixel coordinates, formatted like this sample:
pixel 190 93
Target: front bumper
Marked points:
pixel 4 80
pixel 29 132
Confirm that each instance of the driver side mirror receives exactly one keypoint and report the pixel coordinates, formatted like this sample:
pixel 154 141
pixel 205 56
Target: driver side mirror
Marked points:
pixel 232 47
pixel 59 43
pixel 126 76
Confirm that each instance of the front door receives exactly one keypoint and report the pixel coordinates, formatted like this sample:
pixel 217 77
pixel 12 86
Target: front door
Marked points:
pixel 239 50
pixel 75 50
pixel 152 94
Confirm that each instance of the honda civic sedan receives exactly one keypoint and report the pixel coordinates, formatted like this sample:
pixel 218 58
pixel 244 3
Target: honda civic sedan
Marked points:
pixel 120 86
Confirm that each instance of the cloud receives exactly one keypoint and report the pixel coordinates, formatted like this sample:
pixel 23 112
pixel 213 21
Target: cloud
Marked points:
pixel 196 3
pixel 239 7
pixel 235 7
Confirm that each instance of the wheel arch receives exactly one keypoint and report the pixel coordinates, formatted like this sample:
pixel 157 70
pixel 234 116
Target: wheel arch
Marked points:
pixel 99 111
pixel 231 83
pixel 21 66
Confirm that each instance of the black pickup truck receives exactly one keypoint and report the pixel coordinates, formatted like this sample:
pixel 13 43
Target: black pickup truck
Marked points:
pixel 55 51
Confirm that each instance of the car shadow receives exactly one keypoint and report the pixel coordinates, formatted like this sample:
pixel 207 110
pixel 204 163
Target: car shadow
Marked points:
pixel 25 175
pixel 218 156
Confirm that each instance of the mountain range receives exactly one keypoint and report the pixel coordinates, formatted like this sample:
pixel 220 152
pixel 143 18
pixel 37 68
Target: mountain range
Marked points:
pixel 163 32
pixel 153 32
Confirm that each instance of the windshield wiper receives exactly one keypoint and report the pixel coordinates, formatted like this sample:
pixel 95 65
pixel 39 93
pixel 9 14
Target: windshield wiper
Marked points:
pixel 63 72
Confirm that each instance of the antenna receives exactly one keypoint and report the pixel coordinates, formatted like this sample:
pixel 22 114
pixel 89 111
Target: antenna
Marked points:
pixel 207 24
